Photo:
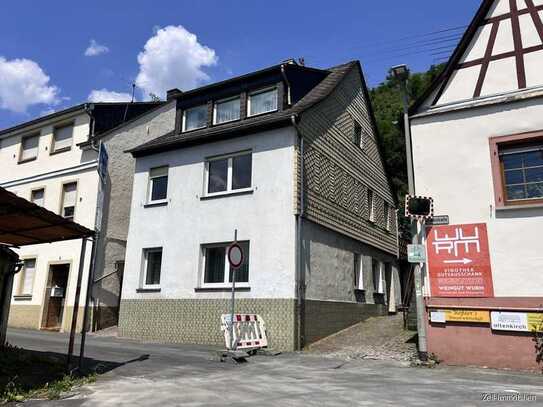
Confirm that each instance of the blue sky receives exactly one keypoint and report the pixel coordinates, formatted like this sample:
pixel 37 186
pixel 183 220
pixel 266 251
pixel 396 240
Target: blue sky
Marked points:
pixel 43 66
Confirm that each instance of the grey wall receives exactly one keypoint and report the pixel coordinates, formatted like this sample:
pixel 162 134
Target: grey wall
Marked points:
pixel 331 301
pixel 118 197
pixel 329 265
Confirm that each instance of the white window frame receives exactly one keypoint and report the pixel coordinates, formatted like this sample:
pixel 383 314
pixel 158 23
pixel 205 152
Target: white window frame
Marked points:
pixel 145 254
pixel 62 201
pixel 183 127
pixel 371 209
pixel 218 102
pixel 22 278
pixel 225 283
pixel 32 191
pixel 359 272
pixel 381 283
pixel 150 184
pixel 386 211
pixel 21 150
pixel 259 91
pixel 54 149
pixel 229 178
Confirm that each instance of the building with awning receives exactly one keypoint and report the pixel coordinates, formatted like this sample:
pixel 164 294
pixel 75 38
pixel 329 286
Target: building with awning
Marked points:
pixel 23 223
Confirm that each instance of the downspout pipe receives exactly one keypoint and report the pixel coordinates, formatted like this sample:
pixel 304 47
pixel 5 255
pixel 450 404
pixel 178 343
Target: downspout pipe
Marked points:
pixel 285 78
pixel 300 272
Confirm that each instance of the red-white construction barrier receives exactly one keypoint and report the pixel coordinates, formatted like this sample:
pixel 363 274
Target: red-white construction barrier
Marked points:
pixel 249 331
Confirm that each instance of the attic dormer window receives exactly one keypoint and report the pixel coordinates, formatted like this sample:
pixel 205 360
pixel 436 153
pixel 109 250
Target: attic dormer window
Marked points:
pixel 262 101
pixel 195 118
pixel 226 110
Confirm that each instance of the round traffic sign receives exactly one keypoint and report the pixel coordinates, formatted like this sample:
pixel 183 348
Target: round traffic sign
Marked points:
pixel 235 255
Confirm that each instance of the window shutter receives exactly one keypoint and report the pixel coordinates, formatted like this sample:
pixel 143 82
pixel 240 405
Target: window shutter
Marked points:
pixel 70 192
pixel 30 147
pixel 158 172
pixel 29 270
pixel 63 137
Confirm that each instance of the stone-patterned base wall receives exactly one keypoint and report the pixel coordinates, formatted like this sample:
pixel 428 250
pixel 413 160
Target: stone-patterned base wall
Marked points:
pixel 197 321
pixel 67 325
pixel 323 318
pixel 24 316
pixel 30 317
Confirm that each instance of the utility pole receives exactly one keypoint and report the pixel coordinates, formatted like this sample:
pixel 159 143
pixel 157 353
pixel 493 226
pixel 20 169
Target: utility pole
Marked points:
pixel 401 73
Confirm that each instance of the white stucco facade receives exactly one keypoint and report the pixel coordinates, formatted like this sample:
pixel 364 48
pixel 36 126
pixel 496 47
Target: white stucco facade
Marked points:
pixel 50 171
pixel 264 216
pixel 452 164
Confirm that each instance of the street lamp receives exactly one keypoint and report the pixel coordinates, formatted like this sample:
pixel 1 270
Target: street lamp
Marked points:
pixel 401 74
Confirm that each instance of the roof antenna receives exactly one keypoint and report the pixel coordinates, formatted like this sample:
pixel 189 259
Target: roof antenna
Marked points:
pixel 301 61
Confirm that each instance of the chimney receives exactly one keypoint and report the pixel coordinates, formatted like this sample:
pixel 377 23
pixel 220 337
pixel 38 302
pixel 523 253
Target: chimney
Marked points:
pixel 173 94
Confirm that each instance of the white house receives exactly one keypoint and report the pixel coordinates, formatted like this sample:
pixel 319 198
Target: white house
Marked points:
pixel 288 156
pixel 41 161
pixel 478 151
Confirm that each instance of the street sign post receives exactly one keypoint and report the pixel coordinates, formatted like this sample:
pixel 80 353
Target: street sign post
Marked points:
pixel 437 220
pixel 459 261
pixel 416 253
pixel 235 258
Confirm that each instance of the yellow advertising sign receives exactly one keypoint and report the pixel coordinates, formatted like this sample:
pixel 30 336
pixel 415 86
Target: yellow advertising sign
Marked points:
pixel 467 316
pixel 535 322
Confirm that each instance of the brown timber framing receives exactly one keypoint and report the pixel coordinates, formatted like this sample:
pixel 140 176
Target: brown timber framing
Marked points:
pixel 338 173
pixel 439 84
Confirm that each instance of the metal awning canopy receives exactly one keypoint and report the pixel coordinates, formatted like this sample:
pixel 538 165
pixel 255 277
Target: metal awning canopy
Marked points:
pixel 24 223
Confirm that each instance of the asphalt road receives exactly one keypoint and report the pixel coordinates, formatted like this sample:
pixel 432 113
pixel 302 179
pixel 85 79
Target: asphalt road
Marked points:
pixel 168 375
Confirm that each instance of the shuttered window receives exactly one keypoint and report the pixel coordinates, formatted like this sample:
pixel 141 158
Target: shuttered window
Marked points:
pixel 69 195
pixel 62 138
pixel 27 280
pixel 37 196
pixel 29 147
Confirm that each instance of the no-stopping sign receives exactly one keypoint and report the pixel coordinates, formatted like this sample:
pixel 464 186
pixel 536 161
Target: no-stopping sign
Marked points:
pixel 235 255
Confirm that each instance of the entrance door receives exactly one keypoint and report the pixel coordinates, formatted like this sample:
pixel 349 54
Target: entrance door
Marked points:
pixel 55 296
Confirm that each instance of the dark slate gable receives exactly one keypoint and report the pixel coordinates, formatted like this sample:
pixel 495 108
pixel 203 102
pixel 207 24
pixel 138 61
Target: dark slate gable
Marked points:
pixel 315 87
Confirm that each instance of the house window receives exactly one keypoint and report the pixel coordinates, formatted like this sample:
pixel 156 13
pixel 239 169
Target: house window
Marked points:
pixel 152 265
pixel 27 277
pixel 29 147
pixel 226 111
pixel 358 272
pixel 37 196
pixel 522 173
pixel 371 211
pixel 517 169
pixel 217 271
pixel 378 276
pixel 357 135
pixel 263 101
pixel 69 196
pixel 158 184
pixel 386 214
pixel 62 138
pixel 195 118
pixel 227 174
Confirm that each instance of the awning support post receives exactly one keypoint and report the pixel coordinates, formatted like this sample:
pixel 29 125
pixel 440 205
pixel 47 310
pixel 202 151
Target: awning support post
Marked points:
pixel 87 303
pixel 76 304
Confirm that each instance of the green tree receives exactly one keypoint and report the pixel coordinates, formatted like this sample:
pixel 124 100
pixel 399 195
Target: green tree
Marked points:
pixel 386 99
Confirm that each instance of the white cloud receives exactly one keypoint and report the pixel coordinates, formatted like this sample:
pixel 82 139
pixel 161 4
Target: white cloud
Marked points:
pixel 104 95
pixel 95 49
pixel 173 58
pixel 23 83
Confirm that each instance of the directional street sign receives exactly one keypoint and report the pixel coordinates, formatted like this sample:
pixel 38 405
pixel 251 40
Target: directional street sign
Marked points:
pixel 438 220
pixel 459 261
pixel 416 253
